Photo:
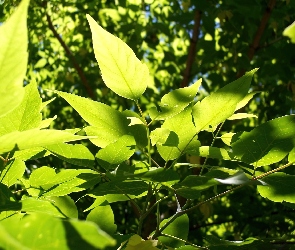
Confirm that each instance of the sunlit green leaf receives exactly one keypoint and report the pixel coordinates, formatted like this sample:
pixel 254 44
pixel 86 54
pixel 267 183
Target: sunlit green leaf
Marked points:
pixel 227 137
pixel 13 171
pixel 116 152
pixel 136 242
pixel 121 71
pixel 13 58
pixel 44 181
pixel 176 101
pixel 103 216
pixel 290 32
pixel 182 137
pixel 241 116
pixel 26 116
pixel 213 152
pixel 107 123
pixel 221 104
pixel 67 234
pixel 32 138
pixel 75 154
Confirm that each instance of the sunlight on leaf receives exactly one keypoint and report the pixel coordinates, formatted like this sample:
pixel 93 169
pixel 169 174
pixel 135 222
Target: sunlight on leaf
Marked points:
pixel 121 70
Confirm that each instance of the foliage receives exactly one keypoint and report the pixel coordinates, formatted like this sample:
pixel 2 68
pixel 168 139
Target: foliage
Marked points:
pixel 142 175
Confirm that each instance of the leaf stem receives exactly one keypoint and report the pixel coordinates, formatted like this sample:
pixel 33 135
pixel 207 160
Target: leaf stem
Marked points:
pixel 273 171
pixel 213 141
pixel 186 242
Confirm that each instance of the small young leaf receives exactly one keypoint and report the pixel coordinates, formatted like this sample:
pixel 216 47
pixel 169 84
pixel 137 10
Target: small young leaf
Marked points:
pixel 266 144
pixel 13 58
pixel 227 137
pixel 220 105
pixel 245 100
pixel 182 137
pixel 177 100
pixel 121 71
pixel 13 171
pixel 159 136
pixel 136 242
pixel 290 32
pixel 178 228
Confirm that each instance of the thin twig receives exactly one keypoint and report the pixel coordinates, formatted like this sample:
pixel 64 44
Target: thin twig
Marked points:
pixel 192 49
pixel 72 58
pixel 260 30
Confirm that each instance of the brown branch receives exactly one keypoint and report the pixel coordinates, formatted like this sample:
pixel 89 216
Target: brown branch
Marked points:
pixel 192 49
pixel 72 58
pixel 261 28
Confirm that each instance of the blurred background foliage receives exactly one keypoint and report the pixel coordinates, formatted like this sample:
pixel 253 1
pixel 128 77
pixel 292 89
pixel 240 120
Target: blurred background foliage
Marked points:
pixel 180 41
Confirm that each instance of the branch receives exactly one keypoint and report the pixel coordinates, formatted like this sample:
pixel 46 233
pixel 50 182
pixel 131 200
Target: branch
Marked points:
pixel 256 40
pixel 192 49
pixel 80 72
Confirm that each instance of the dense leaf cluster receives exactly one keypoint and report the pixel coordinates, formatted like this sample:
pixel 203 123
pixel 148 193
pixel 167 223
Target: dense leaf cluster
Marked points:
pixel 140 176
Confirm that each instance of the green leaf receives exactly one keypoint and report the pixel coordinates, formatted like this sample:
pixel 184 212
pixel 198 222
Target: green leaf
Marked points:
pixel 279 187
pixel 121 71
pixel 75 154
pixel 99 200
pixel 44 181
pixel 212 152
pixel 178 228
pixel 137 128
pixel 290 32
pixel 159 136
pixel 107 123
pixel 176 101
pixel 182 137
pixel 216 243
pixel 103 216
pixel 227 137
pixel 291 157
pixel 245 100
pixel 266 144
pixel 67 234
pixel 13 58
pixel 129 187
pixel 241 116
pixel 136 242
pixel 13 171
pixel 221 104
pixel 164 176
pixel 33 138
pixel 63 207
pixel 117 152
pixel 6 195
pixel 192 186
pixel 26 116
